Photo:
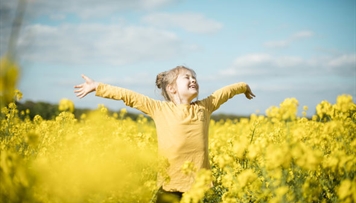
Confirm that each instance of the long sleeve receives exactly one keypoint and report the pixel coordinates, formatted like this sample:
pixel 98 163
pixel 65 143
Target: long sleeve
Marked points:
pixel 129 97
pixel 220 96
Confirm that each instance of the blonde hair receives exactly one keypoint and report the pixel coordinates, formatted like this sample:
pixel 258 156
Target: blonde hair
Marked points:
pixel 169 78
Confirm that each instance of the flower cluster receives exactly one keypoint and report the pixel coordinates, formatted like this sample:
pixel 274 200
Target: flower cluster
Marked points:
pixel 100 157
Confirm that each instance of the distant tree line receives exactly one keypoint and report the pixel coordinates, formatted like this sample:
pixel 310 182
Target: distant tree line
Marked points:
pixel 45 110
pixel 49 111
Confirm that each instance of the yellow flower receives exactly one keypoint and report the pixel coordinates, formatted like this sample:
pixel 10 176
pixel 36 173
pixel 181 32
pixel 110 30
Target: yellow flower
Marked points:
pixel 18 95
pixel 246 177
pixel 278 155
pixel 305 108
pixel 254 150
pixel 281 191
pixel 240 147
pixel 32 138
pixel 188 168
pixel 201 185
pixel 66 105
pixel 344 103
pixel 9 72
pixel 306 157
pixel 324 109
pixel 345 189
pixel 287 110
pixel 123 112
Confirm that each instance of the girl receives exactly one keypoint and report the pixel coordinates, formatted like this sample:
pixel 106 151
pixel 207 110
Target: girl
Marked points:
pixel 182 125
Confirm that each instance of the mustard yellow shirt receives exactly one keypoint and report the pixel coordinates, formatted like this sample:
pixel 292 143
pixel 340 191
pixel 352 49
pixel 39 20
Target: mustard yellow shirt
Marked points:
pixel 182 130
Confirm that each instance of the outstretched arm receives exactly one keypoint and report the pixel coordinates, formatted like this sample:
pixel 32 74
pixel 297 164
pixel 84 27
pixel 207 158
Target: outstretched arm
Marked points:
pixel 87 87
pixel 248 93
pixel 129 97
pixel 221 95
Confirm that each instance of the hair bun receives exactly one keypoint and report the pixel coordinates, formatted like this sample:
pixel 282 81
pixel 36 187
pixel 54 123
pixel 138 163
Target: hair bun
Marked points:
pixel 159 79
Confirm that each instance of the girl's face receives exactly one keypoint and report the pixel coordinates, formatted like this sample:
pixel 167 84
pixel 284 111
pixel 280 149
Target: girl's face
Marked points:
pixel 187 86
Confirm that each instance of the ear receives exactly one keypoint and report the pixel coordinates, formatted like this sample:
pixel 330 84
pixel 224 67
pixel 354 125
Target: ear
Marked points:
pixel 171 89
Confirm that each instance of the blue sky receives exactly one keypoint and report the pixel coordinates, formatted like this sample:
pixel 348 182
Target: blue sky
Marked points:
pixel 282 49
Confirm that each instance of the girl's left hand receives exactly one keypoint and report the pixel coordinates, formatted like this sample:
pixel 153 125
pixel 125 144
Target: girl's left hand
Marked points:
pixel 248 93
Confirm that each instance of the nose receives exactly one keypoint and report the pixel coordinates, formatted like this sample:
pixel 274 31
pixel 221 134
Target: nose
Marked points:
pixel 193 80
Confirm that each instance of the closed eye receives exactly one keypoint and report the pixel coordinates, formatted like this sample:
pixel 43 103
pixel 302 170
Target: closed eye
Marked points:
pixel 189 76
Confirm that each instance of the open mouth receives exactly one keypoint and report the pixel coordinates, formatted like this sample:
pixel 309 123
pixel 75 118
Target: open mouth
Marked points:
pixel 192 87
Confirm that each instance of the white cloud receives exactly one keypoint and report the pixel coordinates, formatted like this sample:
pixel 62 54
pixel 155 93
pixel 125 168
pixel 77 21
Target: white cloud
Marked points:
pixel 288 61
pixel 58 16
pixel 98 43
pixel 140 79
pixel 291 39
pixel 92 8
pixel 191 22
pixel 252 59
pixel 246 65
pixel 342 61
pixel 269 65
pixel 277 44
pixel 152 4
pixel 302 34
pixel 60 10
pixel 115 44
pixel 343 65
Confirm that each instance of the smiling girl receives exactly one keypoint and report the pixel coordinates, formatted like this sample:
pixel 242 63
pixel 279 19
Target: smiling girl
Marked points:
pixel 182 124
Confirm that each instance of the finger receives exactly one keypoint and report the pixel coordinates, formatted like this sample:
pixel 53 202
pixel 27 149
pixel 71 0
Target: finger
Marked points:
pixel 81 95
pixel 78 86
pixel 85 78
pixel 249 96
pixel 250 93
pixel 78 90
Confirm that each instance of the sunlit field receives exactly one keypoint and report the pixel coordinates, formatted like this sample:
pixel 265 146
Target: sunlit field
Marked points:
pixel 103 157
pixel 277 156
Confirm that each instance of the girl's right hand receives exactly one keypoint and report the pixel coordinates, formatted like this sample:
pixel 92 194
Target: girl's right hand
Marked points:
pixel 88 86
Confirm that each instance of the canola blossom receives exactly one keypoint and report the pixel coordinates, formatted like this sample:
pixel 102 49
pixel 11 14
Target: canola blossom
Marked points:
pixel 9 73
pixel 102 157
